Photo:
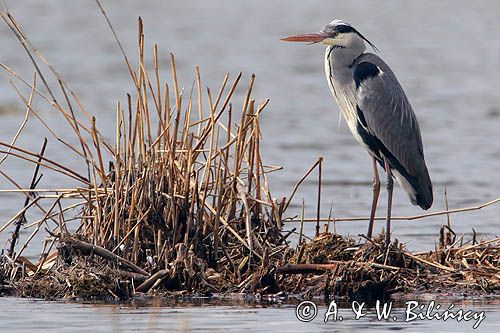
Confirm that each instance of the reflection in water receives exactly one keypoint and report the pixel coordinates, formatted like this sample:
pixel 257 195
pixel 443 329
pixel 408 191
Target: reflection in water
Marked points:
pixel 157 315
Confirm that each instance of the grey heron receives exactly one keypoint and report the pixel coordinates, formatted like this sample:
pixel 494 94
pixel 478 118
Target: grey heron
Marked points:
pixel 377 112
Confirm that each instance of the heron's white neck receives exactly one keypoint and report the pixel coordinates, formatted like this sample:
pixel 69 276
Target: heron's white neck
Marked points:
pixel 346 49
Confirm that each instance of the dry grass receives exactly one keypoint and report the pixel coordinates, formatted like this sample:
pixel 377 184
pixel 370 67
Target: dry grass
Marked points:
pixel 337 266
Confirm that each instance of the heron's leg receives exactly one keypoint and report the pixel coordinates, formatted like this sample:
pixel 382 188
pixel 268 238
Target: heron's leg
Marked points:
pixel 390 186
pixel 376 192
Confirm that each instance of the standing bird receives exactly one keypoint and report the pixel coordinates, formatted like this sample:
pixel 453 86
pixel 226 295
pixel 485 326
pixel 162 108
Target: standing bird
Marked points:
pixel 377 112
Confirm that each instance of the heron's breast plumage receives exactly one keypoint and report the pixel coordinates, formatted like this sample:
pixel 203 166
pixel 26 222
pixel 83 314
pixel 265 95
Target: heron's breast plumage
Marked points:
pixel 343 91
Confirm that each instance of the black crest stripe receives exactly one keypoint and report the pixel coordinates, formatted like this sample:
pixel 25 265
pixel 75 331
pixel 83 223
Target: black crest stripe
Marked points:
pixel 343 29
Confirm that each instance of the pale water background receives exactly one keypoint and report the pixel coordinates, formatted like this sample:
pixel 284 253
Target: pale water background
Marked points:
pixel 446 55
pixel 163 317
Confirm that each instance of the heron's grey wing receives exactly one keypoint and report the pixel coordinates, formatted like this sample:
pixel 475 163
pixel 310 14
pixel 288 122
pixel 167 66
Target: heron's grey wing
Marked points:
pixel 389 126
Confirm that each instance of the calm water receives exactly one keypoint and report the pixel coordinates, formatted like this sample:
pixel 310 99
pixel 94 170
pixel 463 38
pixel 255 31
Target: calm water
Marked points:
pixel 446 55
pixel 159 317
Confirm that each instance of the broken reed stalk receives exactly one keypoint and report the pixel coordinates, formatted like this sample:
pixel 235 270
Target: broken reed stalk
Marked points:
pixel 318 209
pixel 89 249
pixel 301 180
pixel 22 218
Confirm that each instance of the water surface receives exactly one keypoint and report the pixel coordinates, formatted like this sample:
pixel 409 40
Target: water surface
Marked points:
pixel 157 316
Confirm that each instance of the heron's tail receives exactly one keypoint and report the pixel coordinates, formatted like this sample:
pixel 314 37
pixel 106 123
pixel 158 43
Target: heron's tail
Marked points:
pixel 424 195
pixel 418 188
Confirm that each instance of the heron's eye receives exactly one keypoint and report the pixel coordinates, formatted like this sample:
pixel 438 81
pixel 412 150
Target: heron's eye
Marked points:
pixel 334 34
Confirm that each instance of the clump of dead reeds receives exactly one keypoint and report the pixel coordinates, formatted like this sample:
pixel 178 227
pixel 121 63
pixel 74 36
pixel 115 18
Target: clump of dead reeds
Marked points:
pixel 182 203
pixel 334 266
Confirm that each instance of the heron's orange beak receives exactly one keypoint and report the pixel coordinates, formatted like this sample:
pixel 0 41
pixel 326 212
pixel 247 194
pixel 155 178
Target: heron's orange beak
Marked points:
pixel 313 37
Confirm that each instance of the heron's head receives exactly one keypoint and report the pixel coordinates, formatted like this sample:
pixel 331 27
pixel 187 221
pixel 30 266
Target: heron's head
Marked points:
pixel 336 33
